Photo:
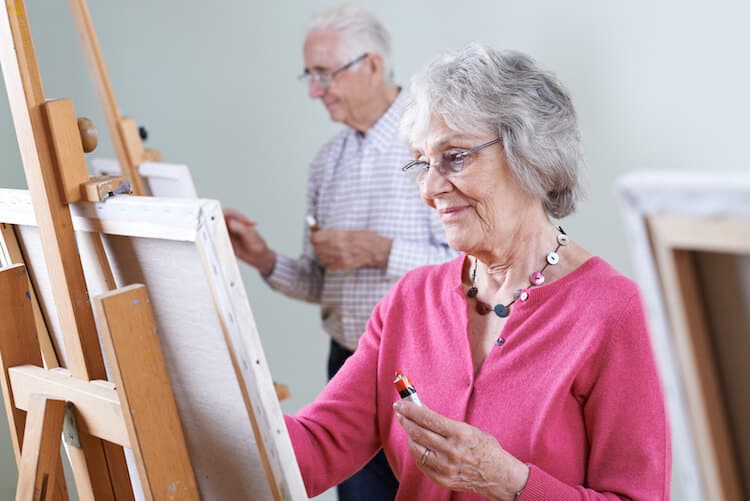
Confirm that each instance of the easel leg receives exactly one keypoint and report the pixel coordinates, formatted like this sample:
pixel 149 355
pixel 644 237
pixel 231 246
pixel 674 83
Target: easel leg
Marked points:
pixel 20 346
pixel 40 459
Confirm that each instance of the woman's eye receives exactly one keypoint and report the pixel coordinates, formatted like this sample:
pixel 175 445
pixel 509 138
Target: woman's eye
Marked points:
pixel 453 157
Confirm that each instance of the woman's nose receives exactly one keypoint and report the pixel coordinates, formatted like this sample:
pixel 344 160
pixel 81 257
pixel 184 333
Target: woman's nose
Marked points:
pixel 433 183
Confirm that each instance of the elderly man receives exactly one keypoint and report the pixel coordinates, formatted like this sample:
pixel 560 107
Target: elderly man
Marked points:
pixel 366 224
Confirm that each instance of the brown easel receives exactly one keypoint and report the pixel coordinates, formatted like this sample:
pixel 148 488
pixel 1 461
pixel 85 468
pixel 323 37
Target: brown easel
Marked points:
pixel 125 134
pixel 100 418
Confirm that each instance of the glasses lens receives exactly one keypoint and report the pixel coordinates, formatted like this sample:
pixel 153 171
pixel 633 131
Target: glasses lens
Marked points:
pixel 319 79
pixel 450 163
pixel 415 170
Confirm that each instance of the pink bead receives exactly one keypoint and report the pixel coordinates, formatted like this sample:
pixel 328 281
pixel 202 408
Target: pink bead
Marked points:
pixel 536 278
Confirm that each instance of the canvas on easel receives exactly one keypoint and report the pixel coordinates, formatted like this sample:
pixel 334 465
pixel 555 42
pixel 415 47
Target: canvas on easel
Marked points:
pixel 689 234
pixel 180 250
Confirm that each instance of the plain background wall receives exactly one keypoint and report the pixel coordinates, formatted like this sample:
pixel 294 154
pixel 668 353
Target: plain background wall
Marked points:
pixel 657 85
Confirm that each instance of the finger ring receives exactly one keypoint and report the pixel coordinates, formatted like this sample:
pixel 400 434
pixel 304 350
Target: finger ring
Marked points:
pixel 426 453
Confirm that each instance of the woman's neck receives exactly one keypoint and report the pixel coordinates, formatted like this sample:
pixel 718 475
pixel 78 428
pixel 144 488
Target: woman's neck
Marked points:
pixel 507 267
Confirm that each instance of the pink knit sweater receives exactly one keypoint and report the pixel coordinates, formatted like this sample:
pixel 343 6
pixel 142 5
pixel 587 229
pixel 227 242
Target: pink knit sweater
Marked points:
pixel 573 391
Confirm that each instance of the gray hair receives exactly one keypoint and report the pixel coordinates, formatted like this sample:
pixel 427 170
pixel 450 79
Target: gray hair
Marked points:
pixel 360 32
pixel 482 90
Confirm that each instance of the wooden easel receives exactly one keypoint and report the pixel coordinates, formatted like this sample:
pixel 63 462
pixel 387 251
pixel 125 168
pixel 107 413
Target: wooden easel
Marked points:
pixel 52 154
pixel 124 133
pixel 100 417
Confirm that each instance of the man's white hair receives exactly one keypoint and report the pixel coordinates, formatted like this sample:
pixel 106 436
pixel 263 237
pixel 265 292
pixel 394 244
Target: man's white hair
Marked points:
pixel 360 32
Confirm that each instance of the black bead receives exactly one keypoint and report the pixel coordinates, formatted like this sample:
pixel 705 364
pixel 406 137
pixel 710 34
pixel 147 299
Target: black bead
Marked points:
pixel 473 291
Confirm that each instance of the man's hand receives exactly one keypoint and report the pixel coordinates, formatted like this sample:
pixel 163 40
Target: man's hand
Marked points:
pixel 351 249
pixel 247 243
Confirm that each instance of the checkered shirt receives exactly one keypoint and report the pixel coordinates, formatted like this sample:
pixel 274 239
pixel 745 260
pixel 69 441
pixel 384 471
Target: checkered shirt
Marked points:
pixel 355 182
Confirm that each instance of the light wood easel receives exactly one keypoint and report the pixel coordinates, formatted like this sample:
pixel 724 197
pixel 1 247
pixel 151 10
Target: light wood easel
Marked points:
pixel 98 418
pixel 107 417
pixel 123 131
pixel 125 134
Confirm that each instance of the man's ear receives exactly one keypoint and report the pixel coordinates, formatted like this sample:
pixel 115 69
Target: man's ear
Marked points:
pixel 376 67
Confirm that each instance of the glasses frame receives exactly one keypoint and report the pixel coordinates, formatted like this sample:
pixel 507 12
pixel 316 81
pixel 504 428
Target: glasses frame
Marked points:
pixel 447 173
pixel 326 79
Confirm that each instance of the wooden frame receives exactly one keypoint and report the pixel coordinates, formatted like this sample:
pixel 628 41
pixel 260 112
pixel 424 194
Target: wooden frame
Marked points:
pixel 236 438
pixel 690 240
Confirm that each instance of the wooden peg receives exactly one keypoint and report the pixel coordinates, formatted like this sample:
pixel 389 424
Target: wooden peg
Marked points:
pixel 89 134
pixel 282 391
pixel 98 188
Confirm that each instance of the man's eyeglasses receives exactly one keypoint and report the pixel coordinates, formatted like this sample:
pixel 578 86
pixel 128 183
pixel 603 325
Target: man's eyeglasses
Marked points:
pixel 449 163
pixel 325 79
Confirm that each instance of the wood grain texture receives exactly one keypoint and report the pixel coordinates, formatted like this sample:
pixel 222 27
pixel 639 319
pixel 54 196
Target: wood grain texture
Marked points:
pixel 68 148
pixel 129 153
pixel 40 462
pixel 94 466
pixel 19 345
pixel 97 406
pixel 179 249
pixel 152 420
pixel 13 254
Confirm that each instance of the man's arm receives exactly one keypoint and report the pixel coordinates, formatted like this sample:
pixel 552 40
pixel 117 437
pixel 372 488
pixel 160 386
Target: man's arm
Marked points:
pixel 351 249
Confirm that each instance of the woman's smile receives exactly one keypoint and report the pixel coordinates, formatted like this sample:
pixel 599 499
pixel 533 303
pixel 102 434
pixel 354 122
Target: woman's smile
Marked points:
pixel 449 214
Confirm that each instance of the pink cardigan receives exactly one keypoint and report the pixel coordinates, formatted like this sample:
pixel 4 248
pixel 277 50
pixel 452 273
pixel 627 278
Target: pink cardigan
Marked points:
pixel 573 391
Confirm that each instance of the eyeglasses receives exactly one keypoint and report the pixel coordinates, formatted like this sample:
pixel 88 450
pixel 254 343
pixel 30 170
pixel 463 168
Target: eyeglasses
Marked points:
pixel 325 79
pixel 449 163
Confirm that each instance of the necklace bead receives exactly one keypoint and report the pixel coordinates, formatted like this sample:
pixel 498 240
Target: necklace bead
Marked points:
pixel 553 258
pixel 535 279
pixel 483 308
pixel 501 310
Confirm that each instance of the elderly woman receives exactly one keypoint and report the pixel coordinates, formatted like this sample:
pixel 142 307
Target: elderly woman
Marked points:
pixel 530 355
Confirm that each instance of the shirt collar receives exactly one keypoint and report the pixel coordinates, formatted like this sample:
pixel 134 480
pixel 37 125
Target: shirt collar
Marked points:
pixel 382 133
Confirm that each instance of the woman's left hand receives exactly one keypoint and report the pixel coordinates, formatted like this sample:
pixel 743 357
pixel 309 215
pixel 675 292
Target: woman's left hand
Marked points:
pixel 459 456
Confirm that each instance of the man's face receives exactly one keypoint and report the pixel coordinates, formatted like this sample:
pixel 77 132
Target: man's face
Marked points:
pixel 349 90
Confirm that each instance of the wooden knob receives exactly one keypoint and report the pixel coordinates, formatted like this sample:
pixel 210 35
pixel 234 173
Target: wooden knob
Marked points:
pixel 89 134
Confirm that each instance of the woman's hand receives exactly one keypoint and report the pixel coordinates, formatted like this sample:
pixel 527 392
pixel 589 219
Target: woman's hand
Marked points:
pixel 459 456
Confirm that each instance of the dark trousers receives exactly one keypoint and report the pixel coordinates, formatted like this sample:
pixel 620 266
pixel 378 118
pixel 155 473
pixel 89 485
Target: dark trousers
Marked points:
pixel 375 481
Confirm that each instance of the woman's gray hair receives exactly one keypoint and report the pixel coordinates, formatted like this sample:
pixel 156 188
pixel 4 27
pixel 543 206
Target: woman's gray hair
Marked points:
pixel 360 32
pixel 482 90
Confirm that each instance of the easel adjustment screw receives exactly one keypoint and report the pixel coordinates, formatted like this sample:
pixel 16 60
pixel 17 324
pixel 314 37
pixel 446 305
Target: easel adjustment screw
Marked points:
pixel 89 134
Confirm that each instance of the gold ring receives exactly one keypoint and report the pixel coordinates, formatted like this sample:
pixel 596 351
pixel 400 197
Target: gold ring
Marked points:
pixel 426 453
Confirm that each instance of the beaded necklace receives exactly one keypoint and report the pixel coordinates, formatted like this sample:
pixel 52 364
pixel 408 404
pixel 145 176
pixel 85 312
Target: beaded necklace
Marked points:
pixel 535 279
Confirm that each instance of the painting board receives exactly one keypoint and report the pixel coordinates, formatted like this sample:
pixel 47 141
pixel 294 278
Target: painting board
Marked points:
pixel 180 249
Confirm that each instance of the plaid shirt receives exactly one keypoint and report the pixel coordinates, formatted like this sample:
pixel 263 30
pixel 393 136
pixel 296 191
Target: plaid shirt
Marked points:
pixel 355 182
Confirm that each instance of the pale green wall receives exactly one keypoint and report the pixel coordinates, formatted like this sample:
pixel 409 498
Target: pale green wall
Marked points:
pixel 658 85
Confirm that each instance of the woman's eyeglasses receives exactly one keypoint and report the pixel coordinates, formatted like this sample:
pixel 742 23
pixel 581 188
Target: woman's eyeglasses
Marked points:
pixel 449 163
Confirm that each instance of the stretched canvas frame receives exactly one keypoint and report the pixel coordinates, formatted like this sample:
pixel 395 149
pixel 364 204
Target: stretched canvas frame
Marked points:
pixel 689 234
pixel 180 249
